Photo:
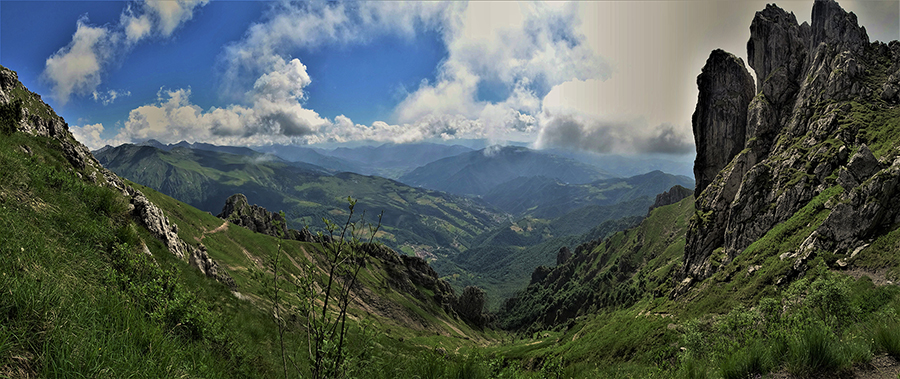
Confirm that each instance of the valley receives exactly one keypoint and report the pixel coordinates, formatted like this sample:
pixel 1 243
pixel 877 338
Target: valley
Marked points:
pixel 778 259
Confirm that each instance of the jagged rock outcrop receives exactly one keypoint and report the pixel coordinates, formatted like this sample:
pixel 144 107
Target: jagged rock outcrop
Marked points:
pixel 209 267
pixel 720 118
pixel 819 89
pixel 470 306
pixel 158 224
pixel 238 211
pixel 672 196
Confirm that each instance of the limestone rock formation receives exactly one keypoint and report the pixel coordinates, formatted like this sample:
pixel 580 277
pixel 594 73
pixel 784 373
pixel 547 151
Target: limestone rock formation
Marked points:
pixel 239 211
pixel 672 196
pixel 256 218
pixel 209 267
pixel 157 223
pixel 808 128
pixel 406 273
pixel 720 119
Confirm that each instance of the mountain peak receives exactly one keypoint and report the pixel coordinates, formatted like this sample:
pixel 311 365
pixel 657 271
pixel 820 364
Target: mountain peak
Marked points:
pixel 762 158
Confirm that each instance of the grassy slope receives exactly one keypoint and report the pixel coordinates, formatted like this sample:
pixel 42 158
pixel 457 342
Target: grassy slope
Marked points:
pixel 80 299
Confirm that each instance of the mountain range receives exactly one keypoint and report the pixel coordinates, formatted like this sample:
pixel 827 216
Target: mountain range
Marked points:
pixel 478 172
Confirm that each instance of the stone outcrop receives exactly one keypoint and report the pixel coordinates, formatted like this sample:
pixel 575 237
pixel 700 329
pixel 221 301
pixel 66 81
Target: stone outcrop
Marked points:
pixel 238 211
pixel 158 224
pixel 672 196
pixel 405 273
pixel 209 267
pixel 720 118
pixel 808 128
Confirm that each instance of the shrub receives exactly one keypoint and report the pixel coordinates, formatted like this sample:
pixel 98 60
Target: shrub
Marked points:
pixel 746 362
pixel 887 338
pixel 815 350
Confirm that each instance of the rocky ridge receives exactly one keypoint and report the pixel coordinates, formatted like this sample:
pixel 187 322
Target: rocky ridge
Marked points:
pixel 33 116
pixel 824 105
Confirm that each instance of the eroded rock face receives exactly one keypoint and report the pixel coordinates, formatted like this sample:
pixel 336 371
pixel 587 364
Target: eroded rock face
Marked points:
pixel 158 224
pixel 239 211
pixel 209 267
pixel 720 119
pixel 405 273
pixel 802 137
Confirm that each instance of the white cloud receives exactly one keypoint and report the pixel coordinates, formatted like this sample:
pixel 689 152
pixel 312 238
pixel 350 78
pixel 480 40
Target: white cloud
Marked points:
pixel 274 113
pixel 89 135
pixel 77 67
pixel 169 14
pixel 525 47
pixel 109 97
pixel 136 27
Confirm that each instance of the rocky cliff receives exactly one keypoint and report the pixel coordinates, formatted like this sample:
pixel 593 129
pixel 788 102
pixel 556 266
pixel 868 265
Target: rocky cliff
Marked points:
pixel 823 113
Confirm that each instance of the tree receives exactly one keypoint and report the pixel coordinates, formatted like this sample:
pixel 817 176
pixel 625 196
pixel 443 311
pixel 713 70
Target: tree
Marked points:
pixel 324 305
pixel 470 305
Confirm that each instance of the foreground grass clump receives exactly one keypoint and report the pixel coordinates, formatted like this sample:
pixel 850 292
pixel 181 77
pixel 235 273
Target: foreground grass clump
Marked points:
pixel 823 323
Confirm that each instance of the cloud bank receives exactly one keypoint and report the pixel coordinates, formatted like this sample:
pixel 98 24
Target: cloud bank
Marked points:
pixel 77 68
pixel 557 67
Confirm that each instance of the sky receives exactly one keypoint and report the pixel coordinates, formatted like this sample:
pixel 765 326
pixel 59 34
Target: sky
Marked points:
pixel 598 76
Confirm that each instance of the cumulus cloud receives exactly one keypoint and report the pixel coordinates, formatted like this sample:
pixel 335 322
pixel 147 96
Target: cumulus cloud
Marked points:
pixel 292 26
pixel 89 135
pixel 77 68
pixel 274 112
pixel 526 47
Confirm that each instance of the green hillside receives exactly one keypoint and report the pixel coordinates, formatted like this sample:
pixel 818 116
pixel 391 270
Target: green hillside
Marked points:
pixel 94 285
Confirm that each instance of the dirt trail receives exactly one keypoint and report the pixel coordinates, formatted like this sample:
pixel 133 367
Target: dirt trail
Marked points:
pixel 219 229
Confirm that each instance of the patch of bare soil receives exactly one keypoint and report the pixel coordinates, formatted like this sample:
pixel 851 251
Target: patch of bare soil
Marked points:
pixel 879 276
pixel 881 367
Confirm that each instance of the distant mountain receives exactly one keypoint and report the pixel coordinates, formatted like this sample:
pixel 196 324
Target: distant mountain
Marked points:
pixel 407 155
pixel 305 192
pixel 238 150
pixel 478 172
pixel 630 165
pixel 545 197
pixel 386 160
pixel 294 153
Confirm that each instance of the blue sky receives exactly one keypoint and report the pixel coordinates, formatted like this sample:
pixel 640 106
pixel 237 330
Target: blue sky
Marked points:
pixel 619 76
